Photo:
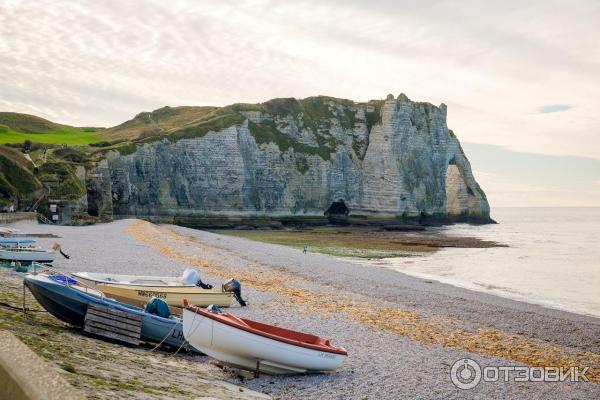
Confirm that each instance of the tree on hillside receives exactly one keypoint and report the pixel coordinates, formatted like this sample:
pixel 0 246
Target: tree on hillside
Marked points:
pixel 27 145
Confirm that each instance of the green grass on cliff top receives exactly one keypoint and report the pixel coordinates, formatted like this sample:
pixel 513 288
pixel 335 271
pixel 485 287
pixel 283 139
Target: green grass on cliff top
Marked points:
pixel 17 128
pixel 70 136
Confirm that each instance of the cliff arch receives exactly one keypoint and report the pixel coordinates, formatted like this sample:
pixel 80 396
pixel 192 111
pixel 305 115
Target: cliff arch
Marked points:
pixel 458 193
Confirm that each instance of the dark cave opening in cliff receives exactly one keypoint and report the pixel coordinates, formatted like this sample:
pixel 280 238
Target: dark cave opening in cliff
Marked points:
pixel 337 208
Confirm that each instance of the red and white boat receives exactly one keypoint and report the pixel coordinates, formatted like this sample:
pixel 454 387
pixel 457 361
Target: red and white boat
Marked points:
pixel 256 346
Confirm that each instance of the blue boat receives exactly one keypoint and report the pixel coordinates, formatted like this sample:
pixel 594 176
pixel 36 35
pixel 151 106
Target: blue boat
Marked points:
pixel 15 241
pixel 62 297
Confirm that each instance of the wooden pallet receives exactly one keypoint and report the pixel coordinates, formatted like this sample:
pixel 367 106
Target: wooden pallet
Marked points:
pixel 113 324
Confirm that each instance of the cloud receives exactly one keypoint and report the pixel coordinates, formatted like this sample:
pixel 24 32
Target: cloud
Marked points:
pixel 100 63
pixel 551 108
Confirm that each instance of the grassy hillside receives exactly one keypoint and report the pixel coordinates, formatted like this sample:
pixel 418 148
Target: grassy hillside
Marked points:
pixel 17 128
pixel 158 122
pixel 28 123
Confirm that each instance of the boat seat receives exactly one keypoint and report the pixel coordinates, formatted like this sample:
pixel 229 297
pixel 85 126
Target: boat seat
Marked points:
pixel 287 333
pixel 236 319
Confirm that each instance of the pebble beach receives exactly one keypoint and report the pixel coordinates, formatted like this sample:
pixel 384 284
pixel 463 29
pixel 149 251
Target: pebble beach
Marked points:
pixel 402 333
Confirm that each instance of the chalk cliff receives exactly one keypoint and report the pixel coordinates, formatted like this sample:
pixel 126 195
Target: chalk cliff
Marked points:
pixel 385 159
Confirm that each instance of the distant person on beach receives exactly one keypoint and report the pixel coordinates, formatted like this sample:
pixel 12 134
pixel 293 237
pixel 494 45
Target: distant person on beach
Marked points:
pixel 305 249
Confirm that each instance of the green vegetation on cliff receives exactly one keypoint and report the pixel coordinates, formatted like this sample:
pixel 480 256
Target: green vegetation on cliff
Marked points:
pixel 17 128
pixel 60 176
pixel 16 178
pixel 314 112
pixel 55 173
pixel 267 132
pixel 318 114
pixel 218 121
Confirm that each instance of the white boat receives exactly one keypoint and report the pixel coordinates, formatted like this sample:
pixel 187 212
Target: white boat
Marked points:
pixel 256 346
pixel 24 250
pixel 92 278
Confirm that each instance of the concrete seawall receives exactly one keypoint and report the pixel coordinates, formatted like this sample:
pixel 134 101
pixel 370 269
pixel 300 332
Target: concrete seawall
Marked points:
pixel 25 376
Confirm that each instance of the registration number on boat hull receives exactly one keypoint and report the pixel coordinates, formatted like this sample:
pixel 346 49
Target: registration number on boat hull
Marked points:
pixel 150 293
pixel 326 355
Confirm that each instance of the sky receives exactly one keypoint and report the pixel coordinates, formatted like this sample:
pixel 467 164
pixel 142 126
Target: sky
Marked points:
pixel 521 78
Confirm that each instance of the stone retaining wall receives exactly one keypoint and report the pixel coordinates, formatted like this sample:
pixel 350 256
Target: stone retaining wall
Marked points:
pixel 25 376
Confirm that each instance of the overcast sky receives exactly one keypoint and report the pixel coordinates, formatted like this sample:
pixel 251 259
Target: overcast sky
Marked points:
pixel 521 75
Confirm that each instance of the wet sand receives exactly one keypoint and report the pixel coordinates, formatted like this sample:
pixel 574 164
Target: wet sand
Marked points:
pixel 403 334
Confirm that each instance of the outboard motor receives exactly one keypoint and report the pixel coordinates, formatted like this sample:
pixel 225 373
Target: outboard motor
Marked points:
pixel 233 286
pixel 189 276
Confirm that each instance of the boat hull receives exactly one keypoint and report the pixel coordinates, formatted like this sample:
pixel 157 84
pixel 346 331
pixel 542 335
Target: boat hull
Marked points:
pixel 27 256
pixel 173 296
pixel 70 305
pixel 247 350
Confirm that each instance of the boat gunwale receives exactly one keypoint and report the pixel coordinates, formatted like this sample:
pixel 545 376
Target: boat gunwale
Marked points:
pixel 215 317
pixel 129 284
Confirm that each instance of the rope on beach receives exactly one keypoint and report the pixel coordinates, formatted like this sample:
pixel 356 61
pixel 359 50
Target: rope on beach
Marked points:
pixel 190 334
pixel 182 344
pixel 162 341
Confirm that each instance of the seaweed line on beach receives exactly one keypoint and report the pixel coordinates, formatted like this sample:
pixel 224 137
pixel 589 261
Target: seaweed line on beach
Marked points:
pixel 488 341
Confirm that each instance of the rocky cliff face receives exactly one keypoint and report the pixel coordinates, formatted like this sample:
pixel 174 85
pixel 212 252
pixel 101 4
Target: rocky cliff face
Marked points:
pixel 383 159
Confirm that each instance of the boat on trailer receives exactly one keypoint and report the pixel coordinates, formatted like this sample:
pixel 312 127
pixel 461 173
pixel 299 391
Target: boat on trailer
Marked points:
pixel 24 250
pixel 256 346
pixel 68 300
pixel 137 290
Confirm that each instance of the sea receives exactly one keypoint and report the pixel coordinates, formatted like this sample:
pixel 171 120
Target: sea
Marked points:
pixel 552 258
